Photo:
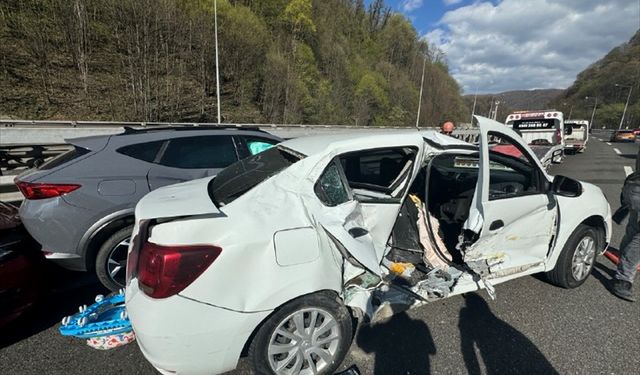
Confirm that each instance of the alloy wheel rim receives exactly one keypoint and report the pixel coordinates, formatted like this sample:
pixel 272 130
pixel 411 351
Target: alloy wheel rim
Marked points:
pixel 583 258
pixel 117 262
pixel 305 342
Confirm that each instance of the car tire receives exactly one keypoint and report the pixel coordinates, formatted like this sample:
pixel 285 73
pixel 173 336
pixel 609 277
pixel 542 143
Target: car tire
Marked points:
pixel 294 349
pixel 577 258
pixel 112 275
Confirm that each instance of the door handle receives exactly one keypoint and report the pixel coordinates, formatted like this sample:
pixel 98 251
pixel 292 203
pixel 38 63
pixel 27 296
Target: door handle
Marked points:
pixel 496 225
pixel 357 232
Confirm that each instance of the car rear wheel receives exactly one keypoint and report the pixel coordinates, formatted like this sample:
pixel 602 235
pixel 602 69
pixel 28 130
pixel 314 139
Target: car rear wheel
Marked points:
pixel 309 335
pixel 111 260
pixel 577 258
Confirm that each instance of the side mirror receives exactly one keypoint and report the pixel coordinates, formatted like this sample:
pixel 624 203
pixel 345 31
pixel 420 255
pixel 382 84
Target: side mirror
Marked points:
pixel 566 187
pixel 568 130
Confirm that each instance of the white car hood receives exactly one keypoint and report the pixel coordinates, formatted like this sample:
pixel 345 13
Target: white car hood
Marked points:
pixel 184 199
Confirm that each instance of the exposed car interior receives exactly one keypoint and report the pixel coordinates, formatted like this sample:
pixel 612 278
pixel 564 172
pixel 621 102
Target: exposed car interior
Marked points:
pixel 447 185
pixel 378 174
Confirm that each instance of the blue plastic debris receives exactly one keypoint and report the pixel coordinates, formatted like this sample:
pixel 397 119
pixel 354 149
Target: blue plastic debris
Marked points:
pixel 106 317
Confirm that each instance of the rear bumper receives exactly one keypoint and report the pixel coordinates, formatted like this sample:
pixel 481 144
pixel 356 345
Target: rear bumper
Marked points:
pixel 574 147
pixel 58 227
pixel 180 335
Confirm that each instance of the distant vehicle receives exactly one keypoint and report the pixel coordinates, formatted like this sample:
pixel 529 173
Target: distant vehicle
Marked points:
pixel 623 136
pixel 543 131
pixel 576 135
pixel 80 205
pixel 279 253
pixel 636 132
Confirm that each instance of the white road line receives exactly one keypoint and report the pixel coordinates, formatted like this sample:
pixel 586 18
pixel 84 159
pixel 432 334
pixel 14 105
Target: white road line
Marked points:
pixel 609 143
pixel 617 151
pixel 628 170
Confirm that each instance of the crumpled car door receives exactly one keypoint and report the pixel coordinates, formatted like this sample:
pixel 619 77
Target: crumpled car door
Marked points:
pixel 345 226
pixel 513 232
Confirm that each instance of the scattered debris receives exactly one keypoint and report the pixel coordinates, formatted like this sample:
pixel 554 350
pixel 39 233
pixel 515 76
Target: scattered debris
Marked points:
pixel 105 324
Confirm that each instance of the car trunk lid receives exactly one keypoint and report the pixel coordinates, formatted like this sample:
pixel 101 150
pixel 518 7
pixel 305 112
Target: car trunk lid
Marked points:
pixel 185 199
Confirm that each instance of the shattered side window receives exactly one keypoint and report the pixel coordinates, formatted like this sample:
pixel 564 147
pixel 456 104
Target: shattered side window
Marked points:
pixel 330 188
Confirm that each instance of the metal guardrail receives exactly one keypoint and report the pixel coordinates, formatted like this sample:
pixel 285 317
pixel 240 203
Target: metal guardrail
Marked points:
pixel 18 157
pixel 110 124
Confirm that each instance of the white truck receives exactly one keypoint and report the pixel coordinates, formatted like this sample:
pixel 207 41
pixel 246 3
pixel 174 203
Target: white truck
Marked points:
pixel 576 135
pixel 543 131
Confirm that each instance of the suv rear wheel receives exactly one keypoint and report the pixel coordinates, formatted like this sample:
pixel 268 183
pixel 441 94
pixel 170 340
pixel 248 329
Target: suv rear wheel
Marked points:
pixel 111 261
pixel 311 334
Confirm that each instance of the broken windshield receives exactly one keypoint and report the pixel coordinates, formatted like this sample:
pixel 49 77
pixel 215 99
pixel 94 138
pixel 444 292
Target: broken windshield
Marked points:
pixel 243 175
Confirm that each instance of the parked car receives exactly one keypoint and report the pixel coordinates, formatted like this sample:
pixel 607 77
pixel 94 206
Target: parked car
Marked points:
pixel 80 205
pixel 280 252
pixel 623 136
pixel 636 132
pixel 21 268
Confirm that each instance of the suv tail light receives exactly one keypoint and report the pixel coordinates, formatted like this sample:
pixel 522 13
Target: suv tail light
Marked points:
pixel 166 270
pixel 32 190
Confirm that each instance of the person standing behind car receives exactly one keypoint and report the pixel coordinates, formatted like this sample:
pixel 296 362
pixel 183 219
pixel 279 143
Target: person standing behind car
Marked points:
pixel 630 246
pixel 447 127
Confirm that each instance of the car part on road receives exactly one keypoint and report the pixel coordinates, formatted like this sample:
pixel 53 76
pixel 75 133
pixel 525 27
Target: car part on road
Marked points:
pixel 577 258
pixel 105 324
pixel 311 334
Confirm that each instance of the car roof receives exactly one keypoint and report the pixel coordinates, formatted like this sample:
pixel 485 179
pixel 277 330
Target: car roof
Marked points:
pixel 311 145
pixel 131 135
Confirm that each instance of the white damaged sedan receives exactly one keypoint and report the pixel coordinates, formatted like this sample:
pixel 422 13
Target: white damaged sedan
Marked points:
pixel 280 254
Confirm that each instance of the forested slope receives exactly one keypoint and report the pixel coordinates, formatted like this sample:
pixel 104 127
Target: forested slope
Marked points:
pixel 281 61
pixel 622 66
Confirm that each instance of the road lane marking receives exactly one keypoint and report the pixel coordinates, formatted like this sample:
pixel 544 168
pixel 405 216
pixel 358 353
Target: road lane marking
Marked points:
pixel 617 151
pixel 609 143
pixel 628 170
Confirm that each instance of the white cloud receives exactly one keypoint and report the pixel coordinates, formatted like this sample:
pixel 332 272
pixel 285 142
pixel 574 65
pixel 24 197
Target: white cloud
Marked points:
pixel 411 5
pixel 451 2
pixel 534 44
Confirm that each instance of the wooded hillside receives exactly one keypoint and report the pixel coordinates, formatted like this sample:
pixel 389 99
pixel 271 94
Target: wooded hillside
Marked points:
pixel 621 66
pixel 281 61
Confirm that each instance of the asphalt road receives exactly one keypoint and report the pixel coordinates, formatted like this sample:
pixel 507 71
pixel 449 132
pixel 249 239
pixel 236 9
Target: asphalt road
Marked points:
pixel 532 326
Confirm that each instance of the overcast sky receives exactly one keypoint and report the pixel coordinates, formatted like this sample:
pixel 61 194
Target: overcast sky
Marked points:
pixel 502 45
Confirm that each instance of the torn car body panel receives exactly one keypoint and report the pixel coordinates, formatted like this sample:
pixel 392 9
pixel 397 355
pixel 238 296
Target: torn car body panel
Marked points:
pixel 508 239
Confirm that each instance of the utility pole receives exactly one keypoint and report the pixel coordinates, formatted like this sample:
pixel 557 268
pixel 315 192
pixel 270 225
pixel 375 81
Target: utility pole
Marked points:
pixel 495 110
pixel 626 104
pixel 215 22
pixel 424 63
pixel 491 108
pixel 593 113
pixel 570 112
pixel 473 111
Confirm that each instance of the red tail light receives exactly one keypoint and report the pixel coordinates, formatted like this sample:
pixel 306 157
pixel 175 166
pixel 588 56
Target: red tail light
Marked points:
pixel 33 191
pixel 558 136
pixel 166 270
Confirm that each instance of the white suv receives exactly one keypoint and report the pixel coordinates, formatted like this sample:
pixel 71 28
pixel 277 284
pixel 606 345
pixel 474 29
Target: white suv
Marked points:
pixel 282 252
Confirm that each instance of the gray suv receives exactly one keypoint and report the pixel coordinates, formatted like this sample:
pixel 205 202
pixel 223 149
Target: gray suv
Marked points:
pixel 80 205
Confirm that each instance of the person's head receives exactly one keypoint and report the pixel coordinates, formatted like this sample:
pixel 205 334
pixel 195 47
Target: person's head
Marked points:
pixel 447 127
